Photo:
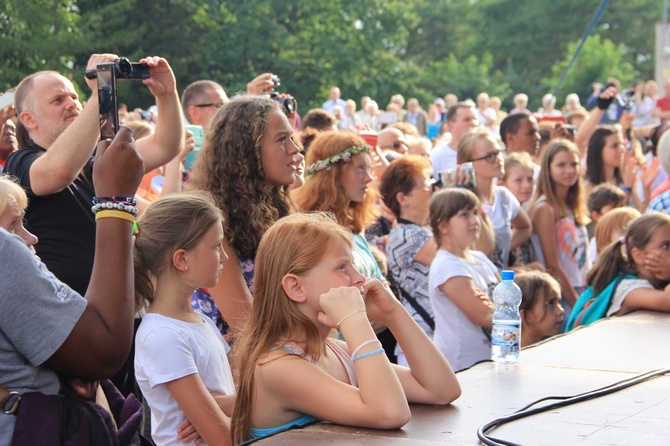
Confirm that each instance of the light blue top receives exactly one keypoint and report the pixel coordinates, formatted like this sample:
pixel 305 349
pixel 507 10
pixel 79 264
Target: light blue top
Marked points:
pixel 299 422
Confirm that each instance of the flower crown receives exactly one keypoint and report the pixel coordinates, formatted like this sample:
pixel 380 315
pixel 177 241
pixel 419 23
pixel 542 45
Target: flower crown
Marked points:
pixel 344 156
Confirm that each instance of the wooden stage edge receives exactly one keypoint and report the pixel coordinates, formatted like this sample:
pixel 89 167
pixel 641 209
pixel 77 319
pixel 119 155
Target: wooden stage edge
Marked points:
pixel 583 360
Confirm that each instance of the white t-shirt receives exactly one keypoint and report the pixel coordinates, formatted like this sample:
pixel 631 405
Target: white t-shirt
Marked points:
pixel 481 116
pixel 461 341
pixel 501 212
pixel 443 157
pixel 623 290
pixel 167 349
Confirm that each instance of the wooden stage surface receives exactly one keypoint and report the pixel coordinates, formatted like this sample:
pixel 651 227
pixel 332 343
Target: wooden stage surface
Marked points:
pixel 583 360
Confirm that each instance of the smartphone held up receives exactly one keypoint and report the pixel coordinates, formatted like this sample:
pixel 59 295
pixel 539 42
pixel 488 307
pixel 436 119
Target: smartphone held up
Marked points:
pixel 462 176
pixel 107 74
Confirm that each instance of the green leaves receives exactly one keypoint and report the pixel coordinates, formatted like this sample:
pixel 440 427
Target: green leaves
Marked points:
pixel 421 48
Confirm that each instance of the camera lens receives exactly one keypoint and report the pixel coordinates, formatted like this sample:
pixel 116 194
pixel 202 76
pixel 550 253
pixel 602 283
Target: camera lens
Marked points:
pixel 125 67
pixel 289 104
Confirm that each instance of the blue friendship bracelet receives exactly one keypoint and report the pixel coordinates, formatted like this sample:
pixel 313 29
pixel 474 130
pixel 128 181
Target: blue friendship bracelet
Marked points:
pixel 365 355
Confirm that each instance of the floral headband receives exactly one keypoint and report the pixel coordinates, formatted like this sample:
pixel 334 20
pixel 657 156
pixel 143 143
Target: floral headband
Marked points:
pixel 344 156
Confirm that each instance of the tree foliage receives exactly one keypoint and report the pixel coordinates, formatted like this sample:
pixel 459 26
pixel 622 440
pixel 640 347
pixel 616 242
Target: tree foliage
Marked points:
pixel 421 48
pixel 600 59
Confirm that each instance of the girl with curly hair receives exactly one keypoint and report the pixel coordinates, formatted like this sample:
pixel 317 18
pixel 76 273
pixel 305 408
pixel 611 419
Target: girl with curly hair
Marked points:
pixel 248 160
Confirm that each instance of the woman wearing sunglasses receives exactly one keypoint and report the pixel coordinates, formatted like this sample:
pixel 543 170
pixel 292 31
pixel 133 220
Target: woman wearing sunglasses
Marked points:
pixel 510 223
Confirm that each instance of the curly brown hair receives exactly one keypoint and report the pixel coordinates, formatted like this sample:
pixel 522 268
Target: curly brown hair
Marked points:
pixel 322 190
pixel 230 168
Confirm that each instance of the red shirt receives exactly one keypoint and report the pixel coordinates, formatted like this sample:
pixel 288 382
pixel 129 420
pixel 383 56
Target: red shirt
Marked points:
pixel 663 103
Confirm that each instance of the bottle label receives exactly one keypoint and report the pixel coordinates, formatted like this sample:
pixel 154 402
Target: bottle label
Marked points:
pixel 505 335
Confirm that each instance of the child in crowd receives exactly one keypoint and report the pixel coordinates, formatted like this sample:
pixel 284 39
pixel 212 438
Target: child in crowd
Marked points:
pixel 559 219
pixel 541 310
pixel 613 226
pixel 249 159
pixel 460 280
pixel 180 359
pixel 338 179
pixel 305 286
pixel 509 221
pixel 622 280
pixel 519 178
pixel 602 199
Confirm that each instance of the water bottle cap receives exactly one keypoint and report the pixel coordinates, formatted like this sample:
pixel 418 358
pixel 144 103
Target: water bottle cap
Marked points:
pixel 507 275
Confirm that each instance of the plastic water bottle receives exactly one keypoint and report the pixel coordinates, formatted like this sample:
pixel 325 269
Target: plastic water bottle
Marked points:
pixel 506 332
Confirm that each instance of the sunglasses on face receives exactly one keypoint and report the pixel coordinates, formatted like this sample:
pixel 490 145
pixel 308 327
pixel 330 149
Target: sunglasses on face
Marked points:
pixel 490 157
pixel 396 145
pixel 218 105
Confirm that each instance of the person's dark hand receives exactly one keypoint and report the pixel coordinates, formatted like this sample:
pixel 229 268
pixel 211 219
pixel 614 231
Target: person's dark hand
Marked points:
pixel 118 167
pixel 74 387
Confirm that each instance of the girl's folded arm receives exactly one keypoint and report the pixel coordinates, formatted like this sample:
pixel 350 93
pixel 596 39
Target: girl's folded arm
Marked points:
pixel 201 409
pixel 469 299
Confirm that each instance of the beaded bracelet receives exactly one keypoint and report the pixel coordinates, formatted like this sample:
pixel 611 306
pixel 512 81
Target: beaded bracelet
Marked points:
pixel 365 355
pixel 368 342
pixel 347 317
pixel 127 200
pixel 627 189
pixel 118 206
pixel 114 214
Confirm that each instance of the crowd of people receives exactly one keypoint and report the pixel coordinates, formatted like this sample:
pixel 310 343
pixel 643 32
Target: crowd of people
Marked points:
pixel 295 266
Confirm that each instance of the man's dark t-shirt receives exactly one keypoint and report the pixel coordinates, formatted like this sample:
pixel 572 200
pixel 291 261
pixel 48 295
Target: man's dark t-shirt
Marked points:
pixel 63 222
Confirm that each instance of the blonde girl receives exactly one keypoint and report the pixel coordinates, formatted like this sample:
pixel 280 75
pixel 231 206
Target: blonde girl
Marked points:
pixel 612 226
pixel 306 286
pixel 518 178
pixel 559 216
pixel 460 280
pixel 180 356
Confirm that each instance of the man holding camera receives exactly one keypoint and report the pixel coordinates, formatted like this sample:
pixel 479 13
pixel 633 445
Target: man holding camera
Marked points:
pixel 57 138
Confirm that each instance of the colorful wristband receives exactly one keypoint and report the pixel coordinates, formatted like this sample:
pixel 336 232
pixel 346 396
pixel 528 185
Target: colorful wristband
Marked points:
pixel 358 349
pixel 114 214
pixel 365 355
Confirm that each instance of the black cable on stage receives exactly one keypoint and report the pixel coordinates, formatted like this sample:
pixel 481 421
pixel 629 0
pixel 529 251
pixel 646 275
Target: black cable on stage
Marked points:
pixel 482 432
